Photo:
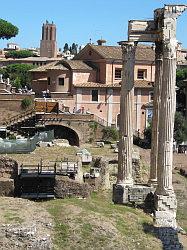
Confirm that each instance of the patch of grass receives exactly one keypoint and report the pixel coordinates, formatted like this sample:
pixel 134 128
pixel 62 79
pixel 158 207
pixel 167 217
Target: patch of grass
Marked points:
pixel 80 224
pixel 61 233
pixel 12 217
pixel 86 230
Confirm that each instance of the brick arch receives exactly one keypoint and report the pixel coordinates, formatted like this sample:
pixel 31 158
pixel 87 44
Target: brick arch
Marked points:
pixel 62 131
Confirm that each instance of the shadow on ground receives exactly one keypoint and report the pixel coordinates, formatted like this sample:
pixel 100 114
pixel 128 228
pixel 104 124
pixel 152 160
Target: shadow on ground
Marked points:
pixel 167 235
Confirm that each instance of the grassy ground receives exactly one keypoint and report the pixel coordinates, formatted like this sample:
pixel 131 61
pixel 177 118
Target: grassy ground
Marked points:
pixel 48 154
pixel 97 223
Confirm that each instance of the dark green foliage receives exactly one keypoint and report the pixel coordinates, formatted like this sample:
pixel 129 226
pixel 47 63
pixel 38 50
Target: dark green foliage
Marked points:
pixel 19 54
pixel 17 83
pixel 20 71
pixel 74 49
pixel 94 126
pixel 26 103
pixel 180 130
pixel 181 95
pixel 12 137
pixel 66 47
pixel 110 134
pixel 7 30
pixel 147 135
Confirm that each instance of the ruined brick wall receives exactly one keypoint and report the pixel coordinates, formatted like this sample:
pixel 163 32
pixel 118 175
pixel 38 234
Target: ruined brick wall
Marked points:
pixel 65 187
pixel 8 173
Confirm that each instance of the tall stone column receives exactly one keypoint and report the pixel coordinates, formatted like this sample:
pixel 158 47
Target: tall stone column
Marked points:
pixel 156 111
pixel 165 200
pixel 125 178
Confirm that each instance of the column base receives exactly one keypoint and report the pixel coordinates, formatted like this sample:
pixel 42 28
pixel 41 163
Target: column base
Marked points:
pixel 152 182
pixel 120 194
pixel 165 210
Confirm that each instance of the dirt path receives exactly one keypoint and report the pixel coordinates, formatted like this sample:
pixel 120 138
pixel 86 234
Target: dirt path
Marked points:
pixel 24 224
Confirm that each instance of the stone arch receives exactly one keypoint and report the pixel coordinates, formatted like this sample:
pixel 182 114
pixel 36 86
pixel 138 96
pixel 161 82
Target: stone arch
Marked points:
pixel 63 132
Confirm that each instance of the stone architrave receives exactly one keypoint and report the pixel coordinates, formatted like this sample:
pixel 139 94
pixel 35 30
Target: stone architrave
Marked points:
pixel 125 178
pixel 156 107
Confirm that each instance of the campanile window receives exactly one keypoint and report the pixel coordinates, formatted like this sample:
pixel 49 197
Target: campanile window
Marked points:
pixel 95 95
pixel 142 74
pixel 118 73
pixel 61 81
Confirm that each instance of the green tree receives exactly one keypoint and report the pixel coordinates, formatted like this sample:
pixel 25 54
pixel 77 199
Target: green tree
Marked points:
pixel 110 134
pixel 26 103
pixel 18 70
pixel 181 94
pixel 7 30
pixel 17 83
pixel 74 48
pixel 180 129
pixel 66 47
pixel 19 54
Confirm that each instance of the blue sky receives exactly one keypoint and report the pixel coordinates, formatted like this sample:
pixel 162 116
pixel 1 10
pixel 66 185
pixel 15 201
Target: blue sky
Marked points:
pixel 79 20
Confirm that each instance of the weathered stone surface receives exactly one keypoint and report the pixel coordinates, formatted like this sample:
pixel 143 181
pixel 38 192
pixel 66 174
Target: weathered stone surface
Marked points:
pixel 126 107
pixel 8 168
pixel 103 166
pixel 66 187
pixel 6 187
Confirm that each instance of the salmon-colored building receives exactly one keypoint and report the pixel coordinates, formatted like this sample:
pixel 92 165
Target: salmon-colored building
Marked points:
pixel 91 83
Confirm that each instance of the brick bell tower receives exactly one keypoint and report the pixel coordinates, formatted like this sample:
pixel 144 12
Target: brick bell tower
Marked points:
pixel 48 44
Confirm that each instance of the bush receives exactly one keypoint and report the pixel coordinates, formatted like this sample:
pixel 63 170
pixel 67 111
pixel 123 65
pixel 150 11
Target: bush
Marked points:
pixel 26 102
pixel 17 83
pixel 110 134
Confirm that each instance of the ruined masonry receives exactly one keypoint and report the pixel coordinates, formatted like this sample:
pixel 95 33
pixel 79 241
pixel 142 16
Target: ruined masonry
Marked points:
pixel 162 32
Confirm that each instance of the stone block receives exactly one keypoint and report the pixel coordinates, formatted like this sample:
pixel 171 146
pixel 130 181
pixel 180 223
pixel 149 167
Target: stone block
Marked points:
pixel 6 187
pixel 120 194
pixel 66 187
pixel 165 219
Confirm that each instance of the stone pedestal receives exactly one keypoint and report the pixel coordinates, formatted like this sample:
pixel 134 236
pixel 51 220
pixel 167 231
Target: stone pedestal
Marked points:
pixel 125 178
pixel 120 194
pixel 166 207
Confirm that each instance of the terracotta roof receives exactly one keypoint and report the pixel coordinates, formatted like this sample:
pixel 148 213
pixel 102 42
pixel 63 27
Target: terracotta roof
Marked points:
pixel 143 52
pixel 57 67
pixel 96 85
pixel 43 68
pixel 143 84
pixel 76 64
pixel 63 65
pixel 137 84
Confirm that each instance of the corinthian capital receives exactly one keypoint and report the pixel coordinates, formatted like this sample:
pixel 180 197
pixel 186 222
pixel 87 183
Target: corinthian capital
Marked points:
pixel 174 10
pixel 128 50
pixel 170 48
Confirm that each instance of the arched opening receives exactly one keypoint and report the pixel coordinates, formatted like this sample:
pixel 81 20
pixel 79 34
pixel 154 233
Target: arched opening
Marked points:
pixel 62 132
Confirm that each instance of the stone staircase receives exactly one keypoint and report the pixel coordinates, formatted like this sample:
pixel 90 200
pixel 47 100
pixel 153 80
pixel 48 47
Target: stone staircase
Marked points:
pixel 15 124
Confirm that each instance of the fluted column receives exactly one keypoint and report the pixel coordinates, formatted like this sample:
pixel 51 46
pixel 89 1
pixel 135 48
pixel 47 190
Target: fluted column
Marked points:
pixel 156 112
pixel 166 121
pixel 126 116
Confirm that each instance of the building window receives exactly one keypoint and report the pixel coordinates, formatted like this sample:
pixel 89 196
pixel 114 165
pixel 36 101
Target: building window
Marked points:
pixel 142 74
pixel 48 80
pixel 118 73
pixel 61 81
pixel 95 95
pixel 151 96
